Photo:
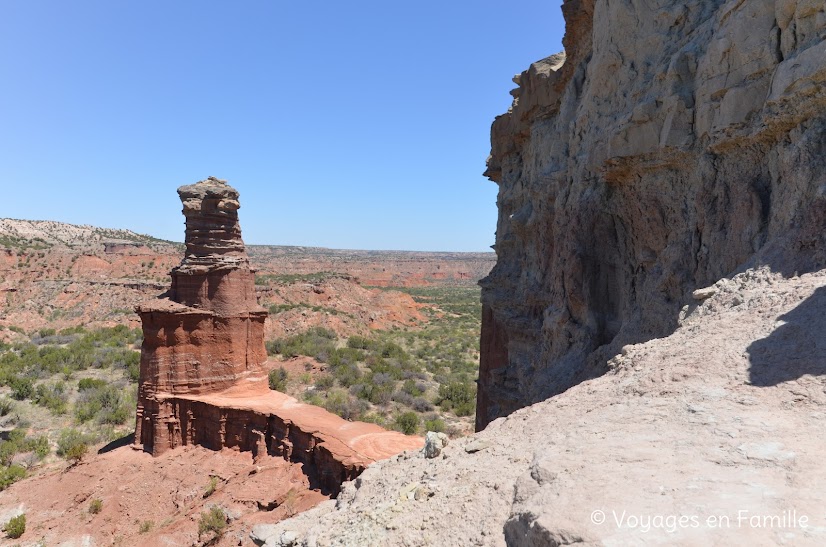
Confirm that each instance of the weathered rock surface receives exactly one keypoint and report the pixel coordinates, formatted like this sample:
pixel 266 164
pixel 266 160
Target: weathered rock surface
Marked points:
pixel 202 377
pixel 672 145
pixel 208 334
pixel 718 424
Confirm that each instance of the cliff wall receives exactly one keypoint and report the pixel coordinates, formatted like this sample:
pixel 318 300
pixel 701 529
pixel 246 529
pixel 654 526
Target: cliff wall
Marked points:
pixel 670 145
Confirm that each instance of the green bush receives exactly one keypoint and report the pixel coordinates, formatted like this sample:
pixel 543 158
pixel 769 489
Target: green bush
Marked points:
pixel 6 406
pixel 210 489
pixel 407 423
pixel 52 397
pixel 359 342
pixel 106 404
pixel 278 379
pixel 73 444
pixel 339 402
pixel 347 375
pixel 17 442
pixel 436 424
pixel 214 520
pixel 324 382
pixel 10 475
pixel 90 383
pixel 145 526
pixel 317 342
pixel 16 527
pixel 21 387
pixel 95 506
pixel 458 396
pixel 412 388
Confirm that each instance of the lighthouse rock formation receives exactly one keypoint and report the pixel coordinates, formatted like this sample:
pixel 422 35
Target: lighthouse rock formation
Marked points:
pixel 203 362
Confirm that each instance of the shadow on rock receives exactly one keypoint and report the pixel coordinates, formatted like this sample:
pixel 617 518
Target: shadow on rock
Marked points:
pixel 117 443
pixel 795 348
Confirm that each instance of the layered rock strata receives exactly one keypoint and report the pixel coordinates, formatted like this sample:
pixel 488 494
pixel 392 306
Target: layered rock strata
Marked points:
pixel 207 334
pixel 202 376
pixel 672 144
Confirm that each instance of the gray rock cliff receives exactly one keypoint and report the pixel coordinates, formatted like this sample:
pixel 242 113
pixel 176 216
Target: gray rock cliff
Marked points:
pixel 672 144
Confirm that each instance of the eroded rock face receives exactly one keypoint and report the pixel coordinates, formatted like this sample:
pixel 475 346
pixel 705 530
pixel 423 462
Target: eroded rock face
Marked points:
pixel 671 145
pixel 208 334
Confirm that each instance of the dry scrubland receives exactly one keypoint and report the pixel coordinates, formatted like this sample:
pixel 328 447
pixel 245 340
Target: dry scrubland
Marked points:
pixel 403 357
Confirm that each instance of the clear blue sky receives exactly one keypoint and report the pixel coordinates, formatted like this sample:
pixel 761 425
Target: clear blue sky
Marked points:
pixel 360 125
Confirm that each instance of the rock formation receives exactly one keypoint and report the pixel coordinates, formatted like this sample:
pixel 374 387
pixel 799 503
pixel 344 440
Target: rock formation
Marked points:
pixel 672 144
pixel 208 334
pixel 203 375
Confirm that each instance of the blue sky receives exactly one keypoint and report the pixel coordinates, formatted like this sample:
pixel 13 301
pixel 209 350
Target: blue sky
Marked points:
pixel 360 125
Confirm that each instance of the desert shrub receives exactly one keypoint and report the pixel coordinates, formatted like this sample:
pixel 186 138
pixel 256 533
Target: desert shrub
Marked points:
pixel 458 396
pixel 347 375
pixel 16 527
pixel 313 398
pixel 210 489
pixel 413 388
pixel 39 445
pixel 402 398
pixel 374 419
pixel 73 444
pixel 10 475
pixel 145 526
pixel 52 397
pixel 317 342
pixel 133 369
pixel 95 506
pixel 359 342
pixel 214 520
pixel 106 404
pixel 435 424
pixel 6 406
pixel 378 395
pixel 21 387
pixel 339 402
pixel 324 382
pixel 90 383
pixel 420 404
pixel 391 350
pixel 278 379
pixel 17 442
pixel 407 423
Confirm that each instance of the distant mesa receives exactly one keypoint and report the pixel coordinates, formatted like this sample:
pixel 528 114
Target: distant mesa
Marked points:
pixel 203 375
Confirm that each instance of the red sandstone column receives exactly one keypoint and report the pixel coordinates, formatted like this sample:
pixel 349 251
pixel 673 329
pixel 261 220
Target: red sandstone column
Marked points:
pixel 207 335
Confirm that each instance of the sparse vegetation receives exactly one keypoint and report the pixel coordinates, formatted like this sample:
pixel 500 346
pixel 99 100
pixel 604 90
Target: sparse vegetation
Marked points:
pixel 73 444
pixel 383 376
pixel 146 526
pixel 16 527
pixel 95 506
pixel 213 521
pixel 288 279
pixel 10 475
pixel 210 489
pixel 407 423
pixel 277 378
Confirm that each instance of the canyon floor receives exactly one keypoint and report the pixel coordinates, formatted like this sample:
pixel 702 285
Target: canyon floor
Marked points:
pixel 712 435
